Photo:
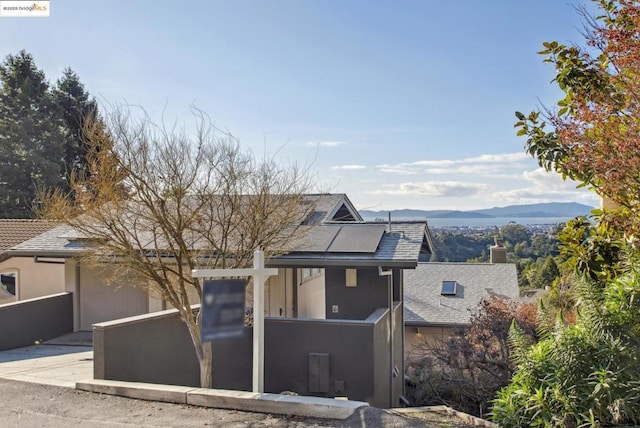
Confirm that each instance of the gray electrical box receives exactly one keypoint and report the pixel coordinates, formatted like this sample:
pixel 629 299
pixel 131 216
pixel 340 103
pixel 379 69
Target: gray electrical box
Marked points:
pixel 318 372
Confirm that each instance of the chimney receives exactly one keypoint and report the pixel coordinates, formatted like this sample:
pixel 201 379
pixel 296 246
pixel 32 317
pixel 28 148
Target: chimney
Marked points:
pixel 498 252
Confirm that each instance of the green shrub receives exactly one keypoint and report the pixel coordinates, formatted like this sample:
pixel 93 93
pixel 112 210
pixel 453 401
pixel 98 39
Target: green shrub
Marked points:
pixel 582 375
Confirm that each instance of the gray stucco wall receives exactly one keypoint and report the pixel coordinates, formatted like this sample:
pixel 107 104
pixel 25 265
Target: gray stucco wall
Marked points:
pixel 156 348
pixel 398 356
pixel 349 346
pixel 359 302
pixel 43 318
pixel 381 360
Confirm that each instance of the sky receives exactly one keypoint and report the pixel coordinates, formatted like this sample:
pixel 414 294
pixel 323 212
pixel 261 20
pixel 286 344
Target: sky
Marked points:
pixel 398 104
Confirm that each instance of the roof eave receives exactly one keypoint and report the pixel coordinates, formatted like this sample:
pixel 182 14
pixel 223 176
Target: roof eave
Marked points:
pixel 323 262
pixel 43 253
pixel 435 324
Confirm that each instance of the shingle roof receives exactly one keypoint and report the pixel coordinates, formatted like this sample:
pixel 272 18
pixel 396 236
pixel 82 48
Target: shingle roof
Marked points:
pixel 324 205
pixel 401 245
pixel 15 231
pixel 62 241
pixel 424 305
pixel 51 242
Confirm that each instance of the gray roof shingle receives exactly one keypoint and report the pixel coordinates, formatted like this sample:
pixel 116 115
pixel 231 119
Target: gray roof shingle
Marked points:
pixel 52 242
pixel 401 245
pixel 15 231
pixel 65 241
pixel 424 305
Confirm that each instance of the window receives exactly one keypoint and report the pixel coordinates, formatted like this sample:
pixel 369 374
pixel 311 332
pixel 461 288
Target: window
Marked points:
pixel 309 273
pixel 449 288
pixel 8 286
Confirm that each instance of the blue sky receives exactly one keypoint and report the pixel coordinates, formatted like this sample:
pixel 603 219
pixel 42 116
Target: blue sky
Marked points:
pixel 399 104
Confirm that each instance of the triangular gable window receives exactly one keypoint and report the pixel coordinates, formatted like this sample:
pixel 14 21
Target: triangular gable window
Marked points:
pixel 343 214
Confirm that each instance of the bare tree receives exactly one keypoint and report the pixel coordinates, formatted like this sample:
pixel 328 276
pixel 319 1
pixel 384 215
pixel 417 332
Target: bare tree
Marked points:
pixel 163 202
pixel 466 369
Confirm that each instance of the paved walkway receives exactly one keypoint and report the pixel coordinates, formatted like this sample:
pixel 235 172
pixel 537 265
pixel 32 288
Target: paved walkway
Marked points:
pixel 57 365
pixel 64 365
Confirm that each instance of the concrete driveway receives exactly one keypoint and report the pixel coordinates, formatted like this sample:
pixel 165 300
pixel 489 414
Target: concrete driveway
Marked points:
pixel 58 365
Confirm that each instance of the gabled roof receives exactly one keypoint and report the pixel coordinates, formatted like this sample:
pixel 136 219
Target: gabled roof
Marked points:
pixel 425 305
pixel 63 241
pixel 15 231
pixel 401 246
pixel 330 207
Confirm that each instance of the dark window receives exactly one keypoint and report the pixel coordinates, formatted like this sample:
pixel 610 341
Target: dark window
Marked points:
pixel 9 281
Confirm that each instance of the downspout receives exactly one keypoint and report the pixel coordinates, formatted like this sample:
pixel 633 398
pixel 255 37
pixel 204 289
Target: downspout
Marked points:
pixel 76 293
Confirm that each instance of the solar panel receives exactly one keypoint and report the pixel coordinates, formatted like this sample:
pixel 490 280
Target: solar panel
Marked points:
pixel 316 239
pixel 357 238
pixel 334 238
pixel 449 288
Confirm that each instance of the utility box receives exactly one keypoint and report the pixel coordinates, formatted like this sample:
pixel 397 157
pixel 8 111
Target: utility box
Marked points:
pixel 318 372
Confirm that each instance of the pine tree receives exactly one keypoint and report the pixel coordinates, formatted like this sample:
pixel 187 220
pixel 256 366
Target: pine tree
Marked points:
pixel 31 151
pixel 76 107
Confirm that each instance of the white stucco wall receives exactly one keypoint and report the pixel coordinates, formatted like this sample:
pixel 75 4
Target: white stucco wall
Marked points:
pixel 34 279
pixel 279 294
pixel 311 297
pixel 104 299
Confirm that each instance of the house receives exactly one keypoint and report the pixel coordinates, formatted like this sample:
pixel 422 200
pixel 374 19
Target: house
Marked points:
pixel 26 277
pixel 439 298
pixel 336 305
pixel 97 298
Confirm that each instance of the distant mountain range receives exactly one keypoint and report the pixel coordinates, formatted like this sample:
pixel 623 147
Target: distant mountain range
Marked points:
pixel 551 209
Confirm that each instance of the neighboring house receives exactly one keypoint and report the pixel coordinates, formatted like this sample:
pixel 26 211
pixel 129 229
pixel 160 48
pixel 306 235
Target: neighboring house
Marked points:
pixel 439 298
pixel 533 295
pixel 26 277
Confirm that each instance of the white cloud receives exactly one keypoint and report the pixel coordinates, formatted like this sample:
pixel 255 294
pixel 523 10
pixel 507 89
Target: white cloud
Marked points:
pixel 324 143
pixel 348 167
pixel 433 188
pixel 483 165
pixel 544 186
pixel 484 170
pixel 501 158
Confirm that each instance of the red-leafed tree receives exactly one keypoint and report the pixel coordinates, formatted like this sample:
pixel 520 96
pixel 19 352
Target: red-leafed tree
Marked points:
pixel 593 136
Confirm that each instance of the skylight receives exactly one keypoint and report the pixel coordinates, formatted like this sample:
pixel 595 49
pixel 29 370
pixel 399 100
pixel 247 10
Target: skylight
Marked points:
pixel 449 288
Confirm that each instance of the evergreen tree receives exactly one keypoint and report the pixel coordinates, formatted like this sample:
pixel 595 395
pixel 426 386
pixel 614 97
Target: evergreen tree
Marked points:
pixel 76 107
pixel 31 152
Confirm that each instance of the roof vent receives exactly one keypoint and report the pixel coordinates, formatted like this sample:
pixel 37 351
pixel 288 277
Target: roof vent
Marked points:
pixel 449 288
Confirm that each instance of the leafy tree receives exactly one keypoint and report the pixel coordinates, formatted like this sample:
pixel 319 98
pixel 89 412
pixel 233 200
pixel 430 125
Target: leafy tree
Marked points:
pixel 544 244
pixel 594 135
pixel 167 202
pixel 584 372
pixel 592 249
pixel 545 272
pixel 514 233
pixel 30 139
pixel 459 248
